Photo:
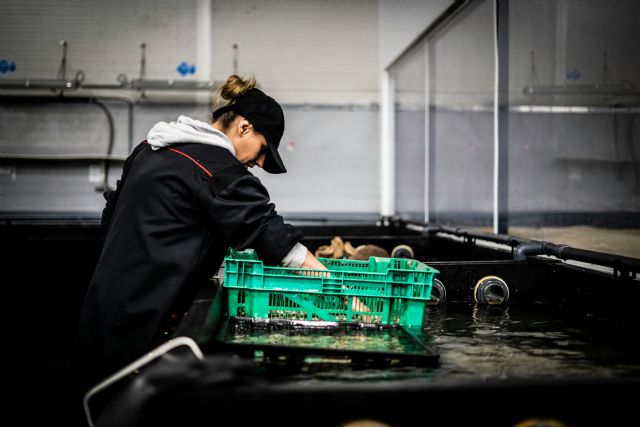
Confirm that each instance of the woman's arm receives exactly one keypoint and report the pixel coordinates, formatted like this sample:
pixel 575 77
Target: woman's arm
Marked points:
pixel 357 305
pixel 310 261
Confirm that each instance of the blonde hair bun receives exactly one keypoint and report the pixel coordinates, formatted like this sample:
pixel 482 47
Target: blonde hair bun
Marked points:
pixel 236 86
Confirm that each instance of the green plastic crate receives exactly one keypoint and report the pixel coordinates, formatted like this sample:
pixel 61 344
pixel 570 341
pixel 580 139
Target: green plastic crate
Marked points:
pixel 388 291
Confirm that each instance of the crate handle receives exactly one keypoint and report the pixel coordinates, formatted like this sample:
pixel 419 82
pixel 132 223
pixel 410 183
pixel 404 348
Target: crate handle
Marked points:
pixel 137 364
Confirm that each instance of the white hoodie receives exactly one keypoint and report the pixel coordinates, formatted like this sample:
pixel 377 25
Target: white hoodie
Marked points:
pixel 188 130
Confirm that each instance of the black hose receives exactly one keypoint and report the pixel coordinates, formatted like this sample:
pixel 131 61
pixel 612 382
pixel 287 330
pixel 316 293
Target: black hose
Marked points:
pixel 431 228
pixel 17 99
pixel 107 161
pixel 634 157
pixel 564 252
pixel 130 135
pixel 524 248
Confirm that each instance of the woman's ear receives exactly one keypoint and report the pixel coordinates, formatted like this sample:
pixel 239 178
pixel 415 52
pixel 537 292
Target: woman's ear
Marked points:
pixel 243 126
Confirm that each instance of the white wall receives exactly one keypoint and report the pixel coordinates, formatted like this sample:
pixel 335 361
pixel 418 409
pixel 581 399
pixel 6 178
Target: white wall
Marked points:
pixel 317 52
pixel 301 51
pixel 104 38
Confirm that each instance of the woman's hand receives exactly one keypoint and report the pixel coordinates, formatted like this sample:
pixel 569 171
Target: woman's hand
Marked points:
pixel 311 262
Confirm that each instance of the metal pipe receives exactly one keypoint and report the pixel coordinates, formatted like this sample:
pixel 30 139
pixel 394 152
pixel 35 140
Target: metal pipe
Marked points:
pixel 171 84
pixel 523 248
pixel 62 71
pixel 126 84
pixel 64 157
pixel 130 134
pixel 235 58
pixel 619 89
pixel 447 15
pixel 52 84
pixel 501 118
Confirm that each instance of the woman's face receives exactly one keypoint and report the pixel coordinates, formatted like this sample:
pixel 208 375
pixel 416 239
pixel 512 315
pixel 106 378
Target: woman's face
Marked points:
pixel 250 145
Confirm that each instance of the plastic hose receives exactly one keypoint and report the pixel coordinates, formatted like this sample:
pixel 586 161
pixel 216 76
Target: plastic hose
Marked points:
pixel 438 293
pixel 402 251
pixel 491 290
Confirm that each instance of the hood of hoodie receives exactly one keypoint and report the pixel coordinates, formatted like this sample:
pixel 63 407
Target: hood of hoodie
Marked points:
pixel 187 130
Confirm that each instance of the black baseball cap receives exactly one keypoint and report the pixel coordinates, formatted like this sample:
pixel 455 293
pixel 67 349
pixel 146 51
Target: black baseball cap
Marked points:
pixel 266 116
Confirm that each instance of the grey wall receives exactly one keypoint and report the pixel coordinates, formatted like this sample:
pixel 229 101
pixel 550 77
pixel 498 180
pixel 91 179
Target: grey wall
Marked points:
pixel 332 159
pixel 302 51
pixel 558 163
pixel 64 138
pixel 331 156
pixel 577 160
pixel 574 162
pixel 322 60
pixel 319 59
pixel 410 164
pixel 401 22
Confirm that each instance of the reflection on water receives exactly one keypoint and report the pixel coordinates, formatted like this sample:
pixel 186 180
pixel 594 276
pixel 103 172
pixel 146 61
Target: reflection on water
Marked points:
pixel 504 343
pixel 511 342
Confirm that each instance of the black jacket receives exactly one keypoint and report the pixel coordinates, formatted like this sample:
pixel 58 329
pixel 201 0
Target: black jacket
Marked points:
pixel 167 229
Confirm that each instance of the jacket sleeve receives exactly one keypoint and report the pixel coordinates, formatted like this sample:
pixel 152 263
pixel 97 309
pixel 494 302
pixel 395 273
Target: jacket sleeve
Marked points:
pixel 238 206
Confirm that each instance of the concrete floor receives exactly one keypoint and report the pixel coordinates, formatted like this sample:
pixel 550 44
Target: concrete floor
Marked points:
pixel 624 242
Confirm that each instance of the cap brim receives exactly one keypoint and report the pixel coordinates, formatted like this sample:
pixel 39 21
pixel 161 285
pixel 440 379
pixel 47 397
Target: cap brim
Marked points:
pixel 272 161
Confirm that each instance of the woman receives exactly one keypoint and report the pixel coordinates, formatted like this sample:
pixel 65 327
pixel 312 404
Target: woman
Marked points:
pixel 185 196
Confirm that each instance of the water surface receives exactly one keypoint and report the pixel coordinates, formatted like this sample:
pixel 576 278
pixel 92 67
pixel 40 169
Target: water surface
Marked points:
pixel 487 343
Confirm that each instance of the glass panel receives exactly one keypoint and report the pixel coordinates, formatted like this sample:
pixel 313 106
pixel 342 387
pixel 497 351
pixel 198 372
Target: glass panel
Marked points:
pixel 410 142
pixel 574 144
pixel 461 119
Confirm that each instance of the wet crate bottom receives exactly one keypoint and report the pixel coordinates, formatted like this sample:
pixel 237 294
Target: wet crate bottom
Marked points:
pixel 313 341
pixel 285 305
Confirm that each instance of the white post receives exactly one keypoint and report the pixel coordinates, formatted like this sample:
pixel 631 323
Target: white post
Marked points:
pixel 496 134
pixel 387 145
pixel 204 45
pixel 427 140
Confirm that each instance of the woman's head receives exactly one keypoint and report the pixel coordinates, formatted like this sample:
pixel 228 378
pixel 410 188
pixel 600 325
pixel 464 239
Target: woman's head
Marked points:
pixel 253 121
